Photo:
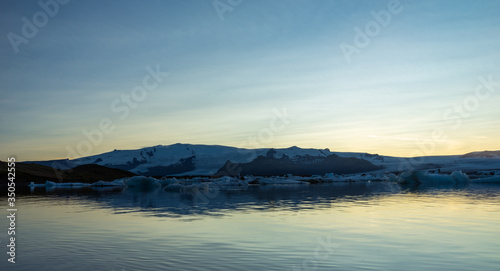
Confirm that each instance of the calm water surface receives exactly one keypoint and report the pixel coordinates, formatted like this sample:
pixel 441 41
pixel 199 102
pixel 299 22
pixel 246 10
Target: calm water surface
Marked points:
pixel 357 226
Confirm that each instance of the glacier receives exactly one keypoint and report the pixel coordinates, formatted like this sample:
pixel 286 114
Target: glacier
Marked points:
pixel 206 160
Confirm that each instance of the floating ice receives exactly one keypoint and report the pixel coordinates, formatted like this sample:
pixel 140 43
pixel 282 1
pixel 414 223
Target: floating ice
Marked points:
pixel 53 184
pixel 391 177
pixel 278 180
pixel 230 182
pixel 32 184
pixel 142 182
pixel 173 187
pixel 194 188
pixel 199 184
pixel 118 182
pixel 495 179
pixel 168 181
pixel 422 176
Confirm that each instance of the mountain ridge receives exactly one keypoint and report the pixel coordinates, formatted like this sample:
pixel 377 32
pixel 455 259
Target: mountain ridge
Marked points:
pixel 207 160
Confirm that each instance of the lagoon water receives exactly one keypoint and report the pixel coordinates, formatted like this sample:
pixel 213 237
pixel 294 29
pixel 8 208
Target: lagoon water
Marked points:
pixel 349 226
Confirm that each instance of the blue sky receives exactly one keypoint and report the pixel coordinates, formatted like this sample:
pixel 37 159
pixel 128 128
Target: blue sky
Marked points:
pixel 228 77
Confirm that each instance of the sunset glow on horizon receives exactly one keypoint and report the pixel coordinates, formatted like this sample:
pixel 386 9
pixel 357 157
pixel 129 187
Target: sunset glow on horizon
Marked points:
pixel 399 78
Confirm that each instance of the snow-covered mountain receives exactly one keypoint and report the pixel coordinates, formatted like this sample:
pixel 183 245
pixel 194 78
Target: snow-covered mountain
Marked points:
pixel 187 159
pixel 483 154
pixel 179 159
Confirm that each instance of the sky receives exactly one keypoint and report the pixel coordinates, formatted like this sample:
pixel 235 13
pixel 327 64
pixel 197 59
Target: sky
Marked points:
pixel 402 78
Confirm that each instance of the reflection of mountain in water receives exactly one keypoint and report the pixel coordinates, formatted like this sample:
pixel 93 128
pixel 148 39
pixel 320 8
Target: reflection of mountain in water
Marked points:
pixel 217 201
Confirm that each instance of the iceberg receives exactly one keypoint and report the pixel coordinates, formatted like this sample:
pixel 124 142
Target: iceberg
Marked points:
pixel 195 188
pixel 118 182
pixel 279 180
pixel 230 182
pixel 495 179
pixel 173 187
pixel 142 182
pixel 53 184
pixel 423 176
pixel 32 184
pixel 167 181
